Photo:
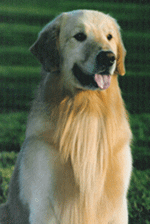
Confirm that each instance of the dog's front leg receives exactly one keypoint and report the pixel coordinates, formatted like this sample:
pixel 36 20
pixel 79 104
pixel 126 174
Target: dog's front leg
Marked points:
pixel 122 215
pixel 38 178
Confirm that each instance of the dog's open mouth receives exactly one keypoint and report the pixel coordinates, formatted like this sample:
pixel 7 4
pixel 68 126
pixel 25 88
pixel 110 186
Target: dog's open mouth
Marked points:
pixel 98 80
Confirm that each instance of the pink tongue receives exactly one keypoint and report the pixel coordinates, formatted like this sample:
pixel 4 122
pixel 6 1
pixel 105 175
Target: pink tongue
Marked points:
pixel 103 81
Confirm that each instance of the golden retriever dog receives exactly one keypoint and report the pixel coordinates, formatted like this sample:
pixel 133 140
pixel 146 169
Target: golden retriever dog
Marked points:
pixel 75 163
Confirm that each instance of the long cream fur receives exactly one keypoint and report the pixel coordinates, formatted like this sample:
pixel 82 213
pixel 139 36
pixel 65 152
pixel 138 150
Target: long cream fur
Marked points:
pixel 92 132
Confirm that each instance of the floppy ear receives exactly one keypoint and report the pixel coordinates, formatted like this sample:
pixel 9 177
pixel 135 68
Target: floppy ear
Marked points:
pixel 46 47
pixel 121 53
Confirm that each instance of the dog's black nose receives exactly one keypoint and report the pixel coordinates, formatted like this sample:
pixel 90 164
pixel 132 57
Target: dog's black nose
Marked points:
pixel 105 58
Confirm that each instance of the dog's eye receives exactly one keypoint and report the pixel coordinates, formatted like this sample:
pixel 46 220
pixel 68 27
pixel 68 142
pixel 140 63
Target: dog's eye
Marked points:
pixel 80 37
pixel 109 37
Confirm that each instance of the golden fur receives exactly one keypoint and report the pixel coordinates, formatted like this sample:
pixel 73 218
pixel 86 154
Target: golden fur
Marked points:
pixel 75 164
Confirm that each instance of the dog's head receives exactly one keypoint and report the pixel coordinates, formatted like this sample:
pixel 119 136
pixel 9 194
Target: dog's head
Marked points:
pixel 85 46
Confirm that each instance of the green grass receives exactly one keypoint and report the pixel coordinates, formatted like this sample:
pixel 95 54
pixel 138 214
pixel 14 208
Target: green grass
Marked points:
pixel 7 161
pixel 12 126
pixel 41 8
pixel 17 55
pixel 18 34
pixel 20 74
pixel 139 197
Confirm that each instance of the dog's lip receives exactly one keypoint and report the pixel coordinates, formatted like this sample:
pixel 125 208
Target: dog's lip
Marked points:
pixel 100 79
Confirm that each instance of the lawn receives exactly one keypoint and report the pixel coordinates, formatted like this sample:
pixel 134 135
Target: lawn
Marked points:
pixel 20 22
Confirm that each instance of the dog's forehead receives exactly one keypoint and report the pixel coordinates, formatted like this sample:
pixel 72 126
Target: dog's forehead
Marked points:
pixel 86 19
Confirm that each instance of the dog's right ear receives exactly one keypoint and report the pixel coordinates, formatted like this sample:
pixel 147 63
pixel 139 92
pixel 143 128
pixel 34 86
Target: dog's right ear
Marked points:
pixel 46 48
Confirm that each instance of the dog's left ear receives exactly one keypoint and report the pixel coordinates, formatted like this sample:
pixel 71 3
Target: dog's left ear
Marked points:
pixel 46 48
pixel 121 53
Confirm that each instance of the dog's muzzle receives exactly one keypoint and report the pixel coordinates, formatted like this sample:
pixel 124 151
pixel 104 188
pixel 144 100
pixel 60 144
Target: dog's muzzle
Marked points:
pixel 101 78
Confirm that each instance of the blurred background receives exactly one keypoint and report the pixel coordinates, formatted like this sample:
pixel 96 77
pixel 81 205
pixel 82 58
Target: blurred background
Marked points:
pixel 20 22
